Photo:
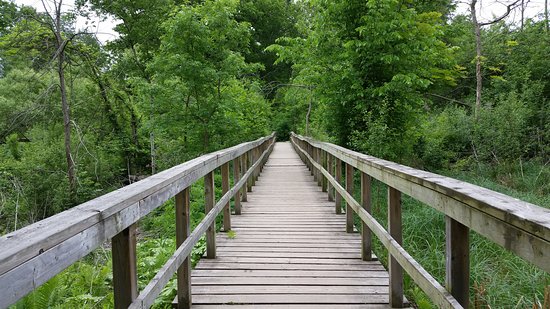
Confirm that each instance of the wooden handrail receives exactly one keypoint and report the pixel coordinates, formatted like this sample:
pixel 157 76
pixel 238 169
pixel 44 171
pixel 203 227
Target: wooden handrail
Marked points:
pixel 518 226
pixel 34 254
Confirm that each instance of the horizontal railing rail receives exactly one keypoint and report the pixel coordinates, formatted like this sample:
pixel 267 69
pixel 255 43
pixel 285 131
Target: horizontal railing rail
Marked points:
pixel 518 226
pixel 36 253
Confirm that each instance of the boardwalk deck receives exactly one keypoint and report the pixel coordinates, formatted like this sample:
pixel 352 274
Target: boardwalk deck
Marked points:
pixel 289 251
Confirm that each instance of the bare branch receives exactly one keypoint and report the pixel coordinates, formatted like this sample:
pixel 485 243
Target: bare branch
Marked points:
pixel 509 9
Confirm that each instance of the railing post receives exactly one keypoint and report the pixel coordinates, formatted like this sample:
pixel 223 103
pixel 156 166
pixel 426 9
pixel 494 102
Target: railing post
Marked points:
pixel 225 189
pixel 338 178
pixel 457 277
pixel 236 178
pixel 330 168
pixel 183 229
pixel 310 164
pixel 317 171
pixel 324 164
pixel 124 267
pixel 244 168
pixel 349 188
pixel 249 163
pixel 366 200
pixel 395 230
pixel 254 159
pixel 209 201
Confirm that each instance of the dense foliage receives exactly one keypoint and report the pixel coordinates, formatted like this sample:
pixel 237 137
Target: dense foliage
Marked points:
pixel 392 78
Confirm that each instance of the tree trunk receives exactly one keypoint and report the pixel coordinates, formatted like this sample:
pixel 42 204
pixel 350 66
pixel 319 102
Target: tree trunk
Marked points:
pixel 71 174
pixel 308 113
pixel 479 77
pixel 522 14
pixel 546 15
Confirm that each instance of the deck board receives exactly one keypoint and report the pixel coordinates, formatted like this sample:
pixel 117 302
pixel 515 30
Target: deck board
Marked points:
pixel 289 250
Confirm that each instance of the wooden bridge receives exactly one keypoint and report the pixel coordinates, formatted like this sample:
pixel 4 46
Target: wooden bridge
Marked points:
pixel 291 244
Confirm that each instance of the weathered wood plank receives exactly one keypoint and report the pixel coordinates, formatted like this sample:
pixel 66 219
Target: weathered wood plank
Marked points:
pixel 72 234
pixel 286 244
pixel 124 267
pixel 518 226
pixel 457 264
pixel 209 201
pixel 395 228
pixel 236 177
pixel 183 230
pixel 290 289
pixel 292 299
pixel 426 282
pixel 225 187
pixel 366 200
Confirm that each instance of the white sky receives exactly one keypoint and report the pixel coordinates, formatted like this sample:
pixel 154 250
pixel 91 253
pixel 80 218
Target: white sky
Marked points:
pixel 488 10
pixel 102 28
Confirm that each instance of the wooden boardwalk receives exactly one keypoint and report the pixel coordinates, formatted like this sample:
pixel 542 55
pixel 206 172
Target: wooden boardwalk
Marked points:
pixel 289 250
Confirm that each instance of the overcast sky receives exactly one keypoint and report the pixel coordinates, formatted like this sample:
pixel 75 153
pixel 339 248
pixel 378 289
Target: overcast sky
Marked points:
pixel 488 8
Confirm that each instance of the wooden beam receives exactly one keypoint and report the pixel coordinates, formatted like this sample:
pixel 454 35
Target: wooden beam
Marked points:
pixel 148 295
pixel 338 179
pixel 509 222
pixel 236 177
pixel 225 188
pixel 366 200
pixel 437 293
pixel 209 200
pixel 124 267
pixel 244 165
pixel 183 230
pixel 324 164
pixel 330 168
pixel 395 229
pixel 457 260
pixel 250 162
pixel 349 188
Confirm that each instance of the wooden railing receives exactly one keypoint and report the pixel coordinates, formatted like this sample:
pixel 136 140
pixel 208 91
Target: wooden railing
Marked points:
pixel 520 227
pixel 34 254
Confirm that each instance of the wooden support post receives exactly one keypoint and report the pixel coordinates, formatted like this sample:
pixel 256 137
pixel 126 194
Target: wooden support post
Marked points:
pixel 244 168
pixel 124 267
pixel 209 202
pixel 457 260
pixel 236 178
pixel 254 158
pixel 330 168
pixel 349 188
pixel 317 171
pixel 225 189
pixel 366 200
pixel 310 164
pixel 338 178
pixel 324 164
pixel 183 229
pixel 395 230
pixel 249 161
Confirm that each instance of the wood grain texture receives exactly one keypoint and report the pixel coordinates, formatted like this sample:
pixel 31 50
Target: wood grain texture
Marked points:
pixel 183 230
pixel 438 294
pixel 124 267
pixel 518 226
pixel 36 253
pixel 289 249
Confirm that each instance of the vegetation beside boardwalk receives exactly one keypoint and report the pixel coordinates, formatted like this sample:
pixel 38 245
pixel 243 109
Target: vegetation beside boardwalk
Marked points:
pixel 408 81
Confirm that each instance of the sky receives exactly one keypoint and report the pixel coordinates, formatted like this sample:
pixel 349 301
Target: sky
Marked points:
pixel 102 28
pixel 488 10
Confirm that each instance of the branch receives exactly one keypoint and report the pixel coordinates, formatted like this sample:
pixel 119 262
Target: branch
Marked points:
pixel 509 9
pixel 448 99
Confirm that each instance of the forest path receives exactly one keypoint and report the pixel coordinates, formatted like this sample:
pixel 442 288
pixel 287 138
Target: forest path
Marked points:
pixel 289 250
